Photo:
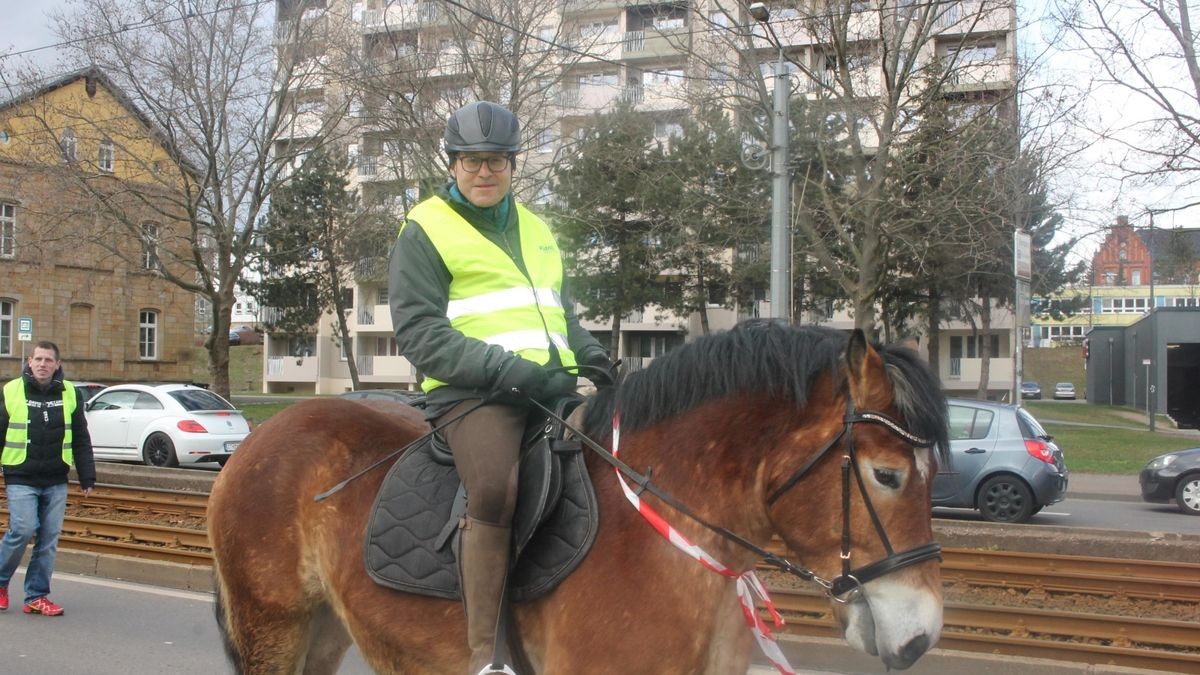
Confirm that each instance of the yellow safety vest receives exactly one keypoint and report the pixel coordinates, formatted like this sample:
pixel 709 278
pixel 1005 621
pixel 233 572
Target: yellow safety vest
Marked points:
pixel 490 299
pixel 16 438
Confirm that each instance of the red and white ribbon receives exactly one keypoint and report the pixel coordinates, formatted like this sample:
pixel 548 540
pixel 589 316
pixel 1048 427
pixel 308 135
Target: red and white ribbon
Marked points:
pixel 748 585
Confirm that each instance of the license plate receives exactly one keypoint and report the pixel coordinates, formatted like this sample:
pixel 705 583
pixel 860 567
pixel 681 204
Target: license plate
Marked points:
pixel 232 445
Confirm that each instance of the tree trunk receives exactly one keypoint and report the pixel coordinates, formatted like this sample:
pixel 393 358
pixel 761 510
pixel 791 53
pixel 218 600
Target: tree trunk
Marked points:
pixel 340 309
pixel 985 349
pixel 217 343
pixel 934 332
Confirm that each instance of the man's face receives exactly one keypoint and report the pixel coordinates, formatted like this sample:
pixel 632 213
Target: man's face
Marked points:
pixel 484 187
pixel 43 364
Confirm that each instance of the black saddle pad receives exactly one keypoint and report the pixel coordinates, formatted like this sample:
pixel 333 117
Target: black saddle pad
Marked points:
pixel 408 542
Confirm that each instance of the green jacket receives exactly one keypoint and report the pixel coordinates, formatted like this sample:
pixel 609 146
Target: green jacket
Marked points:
pixel 419 293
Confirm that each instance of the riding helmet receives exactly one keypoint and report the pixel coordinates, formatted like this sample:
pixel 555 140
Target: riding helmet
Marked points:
pixel 482 126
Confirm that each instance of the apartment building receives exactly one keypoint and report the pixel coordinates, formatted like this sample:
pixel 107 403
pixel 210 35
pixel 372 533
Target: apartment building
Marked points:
pixel 574 58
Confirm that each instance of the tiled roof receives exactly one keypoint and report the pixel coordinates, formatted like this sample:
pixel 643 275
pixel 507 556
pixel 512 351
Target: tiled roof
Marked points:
pixel 1162 238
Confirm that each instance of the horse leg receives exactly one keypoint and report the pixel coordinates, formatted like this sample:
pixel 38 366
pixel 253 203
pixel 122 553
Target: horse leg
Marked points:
pixel 266 631
pixel 328 641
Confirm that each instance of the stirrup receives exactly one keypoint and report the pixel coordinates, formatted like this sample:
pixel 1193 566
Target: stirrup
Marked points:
pixel 489 669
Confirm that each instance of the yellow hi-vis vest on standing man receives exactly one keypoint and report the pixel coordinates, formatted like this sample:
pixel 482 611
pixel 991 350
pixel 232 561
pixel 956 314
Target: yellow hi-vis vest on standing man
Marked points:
pixel 490 299
pixel 16 439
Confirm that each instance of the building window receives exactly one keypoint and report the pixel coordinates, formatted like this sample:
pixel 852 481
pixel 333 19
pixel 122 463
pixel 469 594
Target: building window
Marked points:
pixel 67 145
pixel 382 297
pixel 1135 277
pixel 8 230
pixel 7 309
pixel 105 160
pixel 148 334
pixel 150 246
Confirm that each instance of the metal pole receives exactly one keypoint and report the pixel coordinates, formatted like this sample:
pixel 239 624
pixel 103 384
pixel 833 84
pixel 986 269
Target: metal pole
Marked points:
pixel 781 255
pixel 1110 372
pixel 1152 369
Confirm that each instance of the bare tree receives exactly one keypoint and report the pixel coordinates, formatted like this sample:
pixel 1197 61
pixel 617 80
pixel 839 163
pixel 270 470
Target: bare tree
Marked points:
pixel 1146 50
pixel 220 90
pixel 864 75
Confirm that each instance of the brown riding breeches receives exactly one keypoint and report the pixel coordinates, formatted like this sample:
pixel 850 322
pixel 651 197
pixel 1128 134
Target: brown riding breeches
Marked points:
pixel 486 446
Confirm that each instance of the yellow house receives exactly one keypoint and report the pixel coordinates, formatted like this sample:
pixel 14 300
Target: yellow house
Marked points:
pixel 88 189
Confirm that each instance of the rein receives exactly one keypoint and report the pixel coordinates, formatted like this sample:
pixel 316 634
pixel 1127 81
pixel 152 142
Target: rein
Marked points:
pixel 851 580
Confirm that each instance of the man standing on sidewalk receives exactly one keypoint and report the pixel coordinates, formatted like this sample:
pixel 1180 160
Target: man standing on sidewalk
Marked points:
pixel 45 432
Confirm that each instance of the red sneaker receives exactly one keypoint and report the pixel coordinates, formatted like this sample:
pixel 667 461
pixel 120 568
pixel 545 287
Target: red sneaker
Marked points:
pixel 3 598
pixel 43 606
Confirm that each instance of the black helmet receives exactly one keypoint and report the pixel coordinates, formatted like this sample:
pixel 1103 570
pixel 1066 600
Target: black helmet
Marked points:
pixel 482 125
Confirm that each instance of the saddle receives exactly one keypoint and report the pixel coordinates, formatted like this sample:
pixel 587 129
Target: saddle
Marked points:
pixel 411 540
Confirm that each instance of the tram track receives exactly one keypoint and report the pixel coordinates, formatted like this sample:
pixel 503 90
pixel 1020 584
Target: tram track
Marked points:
pixel 1130 641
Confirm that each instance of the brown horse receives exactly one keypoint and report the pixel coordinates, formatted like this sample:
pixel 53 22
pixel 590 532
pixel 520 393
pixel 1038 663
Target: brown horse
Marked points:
pixel 724 423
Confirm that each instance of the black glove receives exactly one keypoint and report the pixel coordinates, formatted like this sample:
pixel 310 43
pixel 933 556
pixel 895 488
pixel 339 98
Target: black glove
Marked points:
pixel 597 362
pixel 517 380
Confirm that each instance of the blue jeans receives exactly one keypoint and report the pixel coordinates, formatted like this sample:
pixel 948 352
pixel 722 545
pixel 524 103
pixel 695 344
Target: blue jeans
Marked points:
pixel 33 511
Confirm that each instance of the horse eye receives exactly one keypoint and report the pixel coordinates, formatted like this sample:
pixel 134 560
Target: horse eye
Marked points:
pixel 887 478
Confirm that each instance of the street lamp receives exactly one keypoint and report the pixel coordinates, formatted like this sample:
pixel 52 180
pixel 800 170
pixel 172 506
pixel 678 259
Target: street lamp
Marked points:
pixel 781 254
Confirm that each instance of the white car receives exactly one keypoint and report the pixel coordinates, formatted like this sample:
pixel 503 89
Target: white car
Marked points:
pixel 164 425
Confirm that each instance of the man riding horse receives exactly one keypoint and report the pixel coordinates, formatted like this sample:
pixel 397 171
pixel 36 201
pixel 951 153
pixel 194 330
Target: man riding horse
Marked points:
pixel 479 305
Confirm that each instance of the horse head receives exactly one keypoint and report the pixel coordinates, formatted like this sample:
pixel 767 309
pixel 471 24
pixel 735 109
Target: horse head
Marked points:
pixel 861 463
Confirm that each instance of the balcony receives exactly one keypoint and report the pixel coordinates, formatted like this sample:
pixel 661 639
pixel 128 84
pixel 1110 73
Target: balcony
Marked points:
pixel 640 44
pixel 292 369
pixel 372 319
pixel 398 16
pixel 392 369
pixel 998 73
pixel 960 373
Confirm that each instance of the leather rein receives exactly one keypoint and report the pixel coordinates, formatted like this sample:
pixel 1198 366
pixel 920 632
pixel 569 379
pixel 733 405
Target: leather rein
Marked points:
pixel 850 583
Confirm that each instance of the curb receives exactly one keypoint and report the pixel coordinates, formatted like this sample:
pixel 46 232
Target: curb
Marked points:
pixel 179 576
pixel 835 656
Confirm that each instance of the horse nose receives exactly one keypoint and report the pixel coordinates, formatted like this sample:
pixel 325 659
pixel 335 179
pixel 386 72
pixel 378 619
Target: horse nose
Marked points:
pixel 910 652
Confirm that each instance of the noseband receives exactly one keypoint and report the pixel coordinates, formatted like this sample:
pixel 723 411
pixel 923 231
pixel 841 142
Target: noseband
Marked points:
pixel 852 580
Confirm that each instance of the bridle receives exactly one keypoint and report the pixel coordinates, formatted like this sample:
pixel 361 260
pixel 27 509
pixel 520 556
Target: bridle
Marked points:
pixel 852 580
pixel 842 589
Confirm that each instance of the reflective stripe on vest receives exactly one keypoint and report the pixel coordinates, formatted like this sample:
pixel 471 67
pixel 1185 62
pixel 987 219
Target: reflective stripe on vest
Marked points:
pixel 490 299
pixel 16 437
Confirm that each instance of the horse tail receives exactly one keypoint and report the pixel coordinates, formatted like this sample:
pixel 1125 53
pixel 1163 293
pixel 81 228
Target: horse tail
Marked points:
pixel 222 614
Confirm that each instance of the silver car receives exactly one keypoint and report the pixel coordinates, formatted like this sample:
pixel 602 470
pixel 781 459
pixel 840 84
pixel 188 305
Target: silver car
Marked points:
pixel 1003 463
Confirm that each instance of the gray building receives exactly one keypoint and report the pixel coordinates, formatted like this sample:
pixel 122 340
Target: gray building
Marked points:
pixel 1156 359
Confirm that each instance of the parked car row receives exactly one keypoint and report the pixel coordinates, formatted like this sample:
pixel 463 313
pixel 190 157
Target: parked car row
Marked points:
pixel 1033 390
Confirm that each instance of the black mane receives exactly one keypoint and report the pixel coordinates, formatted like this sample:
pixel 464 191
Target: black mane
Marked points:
pixel 761 356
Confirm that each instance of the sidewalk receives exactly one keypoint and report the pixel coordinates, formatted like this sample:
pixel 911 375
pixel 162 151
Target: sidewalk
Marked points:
pixel 1103 486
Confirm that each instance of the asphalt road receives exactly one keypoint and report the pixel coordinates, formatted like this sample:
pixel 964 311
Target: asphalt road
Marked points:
pixel 1101 514
pixel 118 628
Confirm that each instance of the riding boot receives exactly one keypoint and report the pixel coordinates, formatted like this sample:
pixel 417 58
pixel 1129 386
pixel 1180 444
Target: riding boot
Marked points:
pixel 483 566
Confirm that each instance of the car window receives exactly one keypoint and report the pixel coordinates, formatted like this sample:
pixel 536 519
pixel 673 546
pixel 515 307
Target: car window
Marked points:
pixel 1030 428
pixel 116 400
pixel 200 399
pixel 146 402
pixel 969 423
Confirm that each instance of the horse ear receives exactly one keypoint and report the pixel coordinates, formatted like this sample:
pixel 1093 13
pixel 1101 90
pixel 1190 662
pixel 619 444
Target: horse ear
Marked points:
pixel 860 360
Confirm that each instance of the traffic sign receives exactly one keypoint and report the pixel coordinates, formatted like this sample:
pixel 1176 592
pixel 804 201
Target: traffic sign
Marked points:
pixel 25 328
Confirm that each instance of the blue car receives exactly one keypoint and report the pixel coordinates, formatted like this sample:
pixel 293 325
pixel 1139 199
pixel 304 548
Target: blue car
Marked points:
pixel 1003 463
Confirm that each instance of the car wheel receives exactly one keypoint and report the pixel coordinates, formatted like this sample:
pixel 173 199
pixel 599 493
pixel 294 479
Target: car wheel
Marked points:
pixel 159 451
pixel 1005 499
pixel 1187 495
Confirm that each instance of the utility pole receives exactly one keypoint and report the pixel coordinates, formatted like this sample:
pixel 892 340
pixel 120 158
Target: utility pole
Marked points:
pixel 781 240
pixel 1152 370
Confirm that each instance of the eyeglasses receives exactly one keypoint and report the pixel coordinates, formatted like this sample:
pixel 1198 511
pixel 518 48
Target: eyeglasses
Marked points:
pixel 472 164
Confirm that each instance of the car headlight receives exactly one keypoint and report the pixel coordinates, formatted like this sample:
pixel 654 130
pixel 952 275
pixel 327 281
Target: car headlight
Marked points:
pixel 1161 462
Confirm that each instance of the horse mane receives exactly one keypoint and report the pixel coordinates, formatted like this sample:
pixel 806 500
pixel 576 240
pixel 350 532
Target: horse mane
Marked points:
pixel 768 357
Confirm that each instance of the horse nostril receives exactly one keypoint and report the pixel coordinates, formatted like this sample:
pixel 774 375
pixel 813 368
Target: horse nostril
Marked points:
pixel 913 650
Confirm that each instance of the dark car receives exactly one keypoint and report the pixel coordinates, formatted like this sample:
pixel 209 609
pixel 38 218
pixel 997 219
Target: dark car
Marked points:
pixel 1031 390
pixel 1003 463
pixel 1174 476
pixel 235 338
pixel 244 335
pixel 401 395
pixel 84 391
